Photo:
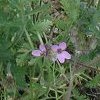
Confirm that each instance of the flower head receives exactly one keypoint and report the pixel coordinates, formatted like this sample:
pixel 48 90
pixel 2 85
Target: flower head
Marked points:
pixel 40 51
pixel 54 52
pixel 60 52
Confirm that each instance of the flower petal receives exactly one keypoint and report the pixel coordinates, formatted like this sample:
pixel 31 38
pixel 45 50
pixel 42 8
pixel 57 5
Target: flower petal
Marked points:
pixel 66 55
pixel 61 58
pixel 36 53
pixel 62 45
pixel 42 48
pixel 54 48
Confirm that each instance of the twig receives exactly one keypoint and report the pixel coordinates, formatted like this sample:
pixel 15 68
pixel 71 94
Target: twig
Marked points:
pixel 72 70
pixel 70 84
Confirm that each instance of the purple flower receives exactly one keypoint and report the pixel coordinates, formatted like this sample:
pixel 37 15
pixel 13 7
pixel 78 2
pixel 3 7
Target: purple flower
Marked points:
pixel 54 52
pixel 61 54
pixel 40 51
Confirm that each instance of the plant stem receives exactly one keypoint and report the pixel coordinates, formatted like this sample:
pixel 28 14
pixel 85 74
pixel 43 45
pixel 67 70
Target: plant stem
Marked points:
pixel 72 69
pixel 45 37
pixel 54 73
pixel 67 97
pixel 39 36
pixel 56 95
pixel 28 37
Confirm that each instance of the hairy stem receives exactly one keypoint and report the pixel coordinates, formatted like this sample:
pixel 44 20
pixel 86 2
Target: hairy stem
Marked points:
pixel 28 37
pixel 72 69
pixel 70 84
pixel 39 36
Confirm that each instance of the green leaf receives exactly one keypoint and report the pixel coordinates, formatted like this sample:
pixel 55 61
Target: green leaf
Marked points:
pixel 40 9
pixel 61 24
pixel 19 76
pixel 96 24
pixel 42 26
pixel 71 8
pixel 5 52
pixel 94 82
pixel 39 89
pixel 22 59
pixel 79 96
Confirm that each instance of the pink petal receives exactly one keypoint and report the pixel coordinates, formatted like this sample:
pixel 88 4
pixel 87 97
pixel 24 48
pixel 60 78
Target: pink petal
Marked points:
pixel 66 55
pixel 55 48
pixel 62 45
pixel 42 48
pixel 61 58
pixel 36 53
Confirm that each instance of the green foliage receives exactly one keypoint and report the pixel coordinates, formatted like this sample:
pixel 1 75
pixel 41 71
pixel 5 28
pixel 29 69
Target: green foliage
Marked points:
pixel 78 96
pixel 95 82
pixel 71 8
pixel 41 26
pixel 19 76
pixel 5 53
pixel 25 24
pixel 96 21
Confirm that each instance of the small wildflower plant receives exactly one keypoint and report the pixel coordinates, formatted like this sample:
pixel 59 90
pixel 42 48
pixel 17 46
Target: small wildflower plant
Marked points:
pixel 66 64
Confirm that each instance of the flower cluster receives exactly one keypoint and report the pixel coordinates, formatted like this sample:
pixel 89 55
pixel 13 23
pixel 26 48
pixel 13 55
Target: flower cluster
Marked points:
pixel 57 52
